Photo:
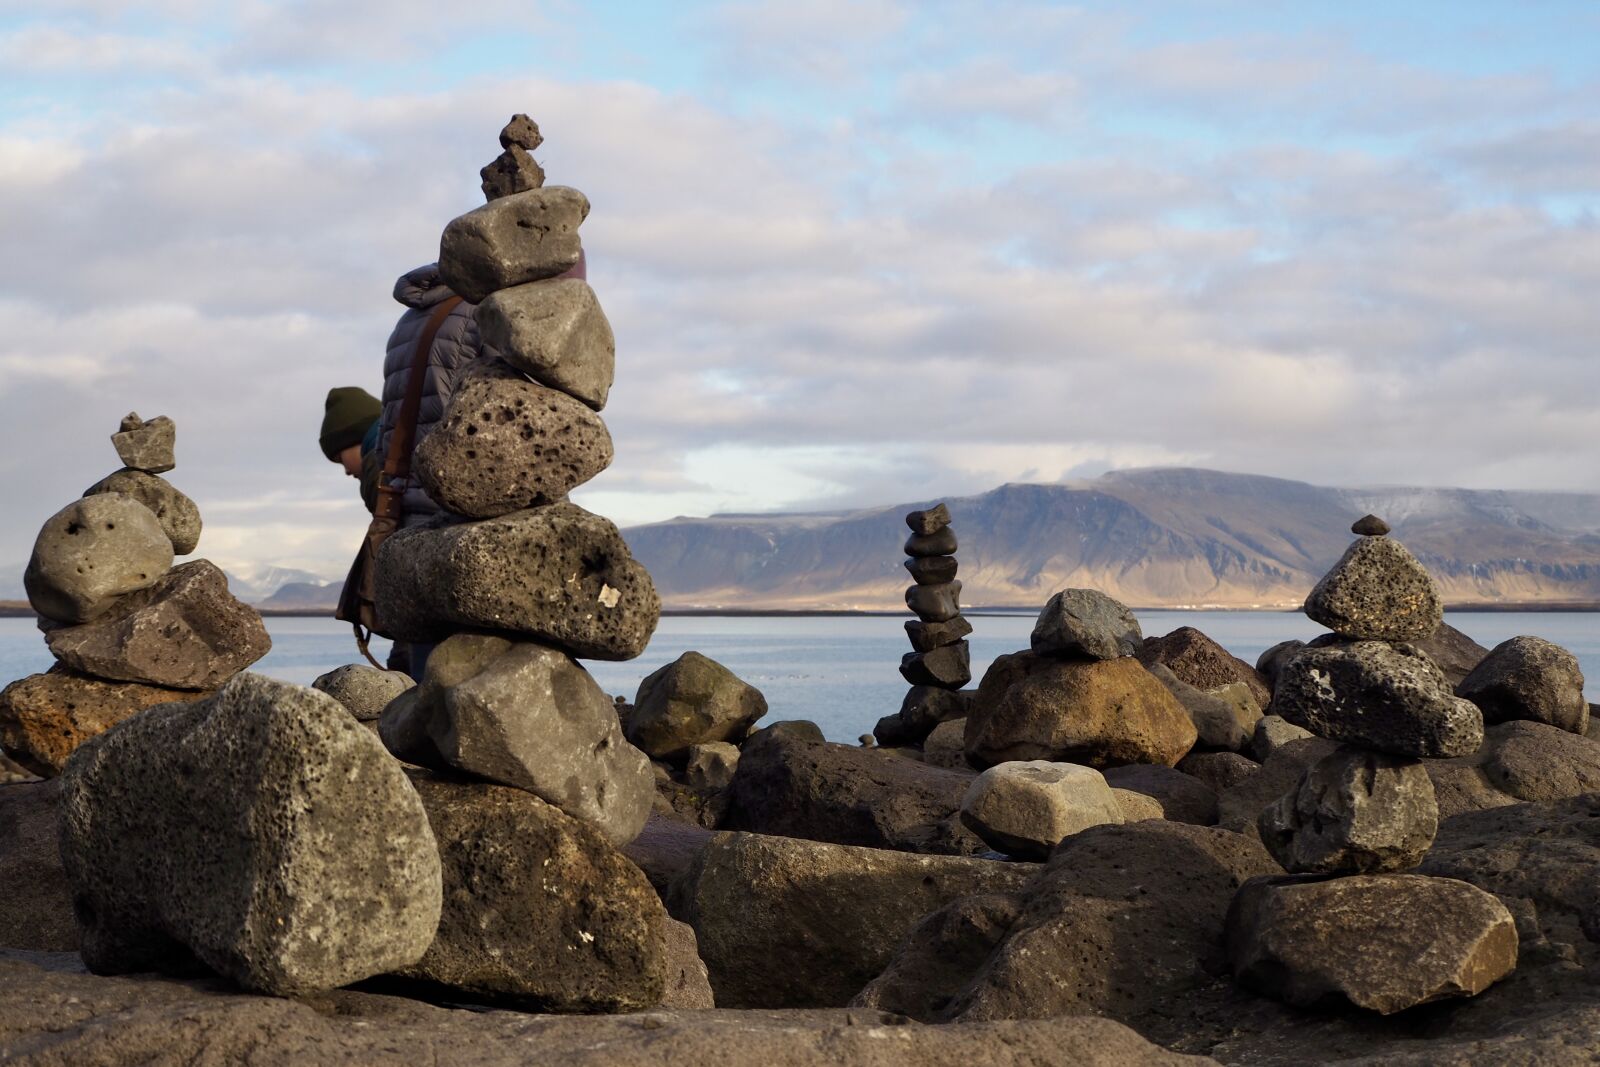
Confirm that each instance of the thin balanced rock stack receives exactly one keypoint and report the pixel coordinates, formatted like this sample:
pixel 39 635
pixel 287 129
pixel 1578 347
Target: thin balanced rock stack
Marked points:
pixel 1346 921
pixel 940 663
pixel 127 628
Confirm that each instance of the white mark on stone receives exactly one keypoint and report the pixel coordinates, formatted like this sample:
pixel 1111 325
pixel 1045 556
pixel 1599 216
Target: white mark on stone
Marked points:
pixel 609 596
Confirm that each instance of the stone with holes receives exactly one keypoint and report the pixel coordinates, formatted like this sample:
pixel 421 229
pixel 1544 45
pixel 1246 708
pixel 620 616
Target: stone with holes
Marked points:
pixel 506 444
pixel 1378 592
pixel 364 690
pixel 92 552
pixel 1529 678
pixel 179 516
pixel 45 717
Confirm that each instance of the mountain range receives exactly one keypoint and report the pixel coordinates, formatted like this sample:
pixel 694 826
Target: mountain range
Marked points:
pixel 1170 537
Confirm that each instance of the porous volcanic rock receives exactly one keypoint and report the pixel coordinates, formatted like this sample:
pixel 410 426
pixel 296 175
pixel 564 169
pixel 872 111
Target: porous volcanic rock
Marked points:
pixel 1354 812
pixel 1025 808
pixel 1136 807
pixel 1461 785
pixel 557 575
pixel 1383 942
pixel 849 796
pixel 1182 797
pixel 1100 713
pixel 1453 652
pixel 556 333
pixel 50 1014
pixel 1380 695
pixel 540 911
pixel 1268 663
pixel 1086 622
pixel 187 631
pixel 45 717
pixel 336 880
pixel 146 446
pixel 946 667
pixel 363 689
pixel 1377 592
pixel 1225 720
pixel 691 701
pixel 1529 678
pixel 36 907
pixel 935 603
pixel 526 716
pixel 927 636
pixel 521 132
pixel 178 515
pixel 1535 761
pixel 785 923
pixel 1124 921
pixel 512 240
pixel 92 552
pixel 1201 662
pixel 506 444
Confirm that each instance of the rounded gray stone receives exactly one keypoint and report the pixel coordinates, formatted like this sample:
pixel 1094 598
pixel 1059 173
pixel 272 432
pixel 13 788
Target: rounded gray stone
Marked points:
pixel 1353 812
pixel 506 444
pixel 1086 622
pixel 363 689
pixel 941 542
pixel 262 831
pixel 691 701
pixel 1529 678
pixel 512 240
pixel 178 515
pixel 711 765
pixel 556 333
pixel 935 603
pixel 92 552
pixel 1025 808
pixel 1379 592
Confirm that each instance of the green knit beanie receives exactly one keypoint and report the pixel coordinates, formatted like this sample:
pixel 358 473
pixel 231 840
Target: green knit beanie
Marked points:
pixel 350 414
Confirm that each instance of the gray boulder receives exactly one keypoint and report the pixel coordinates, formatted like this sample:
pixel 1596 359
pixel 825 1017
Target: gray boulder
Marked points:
pixel 1271 733
pixel 946 667
pixel 1354 812
pixel 364 690
pixel 512 171
pixel 540 911
pixel 260 831
pixel 1239 806
pixel 146 446
pixel 945 747
pixel 932 570
pixel 1453 651
pixel 557 575
pixel 1377 592
pixel 526 716
pixel 506 444
pixel 90 553
pixel 512 240
pixel 1218 771
pixel 1529 678
pixel 1535 761
pixel 556 333
pixel 178 515
pixel 187 631
pixel 784 923
pixel 1268 663
pixel 1025 808
pixel 1224 720
pixel 691 701
pixel 935 603
pixel 940 954
pixel 1388 697
pixel 1086 623
pixel 688 981
pixel 711 765
pixel 1382 942
pixel 927 636
pixel 1100 713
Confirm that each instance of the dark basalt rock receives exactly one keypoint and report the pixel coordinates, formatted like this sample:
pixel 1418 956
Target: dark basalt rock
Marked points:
pixel 929 521
pixel 1182 797
pixel 1201 662
pixel 1086 622
pixel 932 570
pixel 691 701
pixel 1369 526
pixel 927 636
pixel 1529 678
pixel 948 667
pixel 935 603
pixel 1354 812
pixel 1453 652
pixel 940 543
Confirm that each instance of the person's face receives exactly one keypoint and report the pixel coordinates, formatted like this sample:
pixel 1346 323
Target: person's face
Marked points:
pixel 350 459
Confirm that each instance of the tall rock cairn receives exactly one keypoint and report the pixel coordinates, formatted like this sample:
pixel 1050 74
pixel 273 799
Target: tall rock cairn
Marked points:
pixel 529 581
pixel 127 628
pixel 1366 811
pixel 941 662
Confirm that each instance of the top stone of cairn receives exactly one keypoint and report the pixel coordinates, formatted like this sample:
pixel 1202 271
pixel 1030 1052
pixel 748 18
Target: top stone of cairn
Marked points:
pixel 1369 526
pixel 514 170
pixel 1377 592
pixel 146 446
pixel 930 521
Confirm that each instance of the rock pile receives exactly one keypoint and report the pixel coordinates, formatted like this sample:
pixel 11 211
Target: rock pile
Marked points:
pixel 1345 922
pixel 127 628
pixel 940 662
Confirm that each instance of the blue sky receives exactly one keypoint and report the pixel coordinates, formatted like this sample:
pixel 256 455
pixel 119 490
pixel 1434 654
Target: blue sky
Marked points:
pixel 853 252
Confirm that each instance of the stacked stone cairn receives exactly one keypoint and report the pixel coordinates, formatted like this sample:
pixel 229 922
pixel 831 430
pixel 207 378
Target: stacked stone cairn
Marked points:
pixel 1346 922
pixel 940 663
pixel 127 628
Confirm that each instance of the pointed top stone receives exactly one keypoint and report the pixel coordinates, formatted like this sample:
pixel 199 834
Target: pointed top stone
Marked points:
pixel 929 521
pixel 130 421
pixel 146 446
pixel 1377 592
pixel 1369 526
pixel 522 132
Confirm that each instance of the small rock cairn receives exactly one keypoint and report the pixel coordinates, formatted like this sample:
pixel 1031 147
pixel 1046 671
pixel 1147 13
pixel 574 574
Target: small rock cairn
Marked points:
pixel 941 662
pixel 549 580
pixel 1366 812
pixel 127 628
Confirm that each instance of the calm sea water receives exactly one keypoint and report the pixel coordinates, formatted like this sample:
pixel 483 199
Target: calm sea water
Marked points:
pixel 842 672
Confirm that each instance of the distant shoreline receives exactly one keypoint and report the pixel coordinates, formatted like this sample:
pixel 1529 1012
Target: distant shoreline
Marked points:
pixel 19 609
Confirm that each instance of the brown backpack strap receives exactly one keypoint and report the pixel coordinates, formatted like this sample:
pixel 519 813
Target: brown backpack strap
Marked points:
pixel 397 461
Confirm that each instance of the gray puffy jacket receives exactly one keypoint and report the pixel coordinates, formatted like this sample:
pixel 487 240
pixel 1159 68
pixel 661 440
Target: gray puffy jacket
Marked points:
pixel 454 347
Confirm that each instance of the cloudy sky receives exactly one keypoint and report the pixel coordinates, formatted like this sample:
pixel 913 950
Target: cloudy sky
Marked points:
pixel 853 253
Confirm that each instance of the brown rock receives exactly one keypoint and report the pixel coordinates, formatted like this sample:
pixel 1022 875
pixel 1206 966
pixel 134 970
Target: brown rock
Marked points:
pixel 1239 806
pixel 1453 652
pixel 693 700
pixel 185 632
pixel 1100 713
pixel 1534 761
pixel 1201 662
pixel 1383 942
pixel 1369 526
pixel 946 747
pixel 1182 797
pixel 688 981
pixel 45 717
pixel 512 171
pixel 1219 770
pixel 940 954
